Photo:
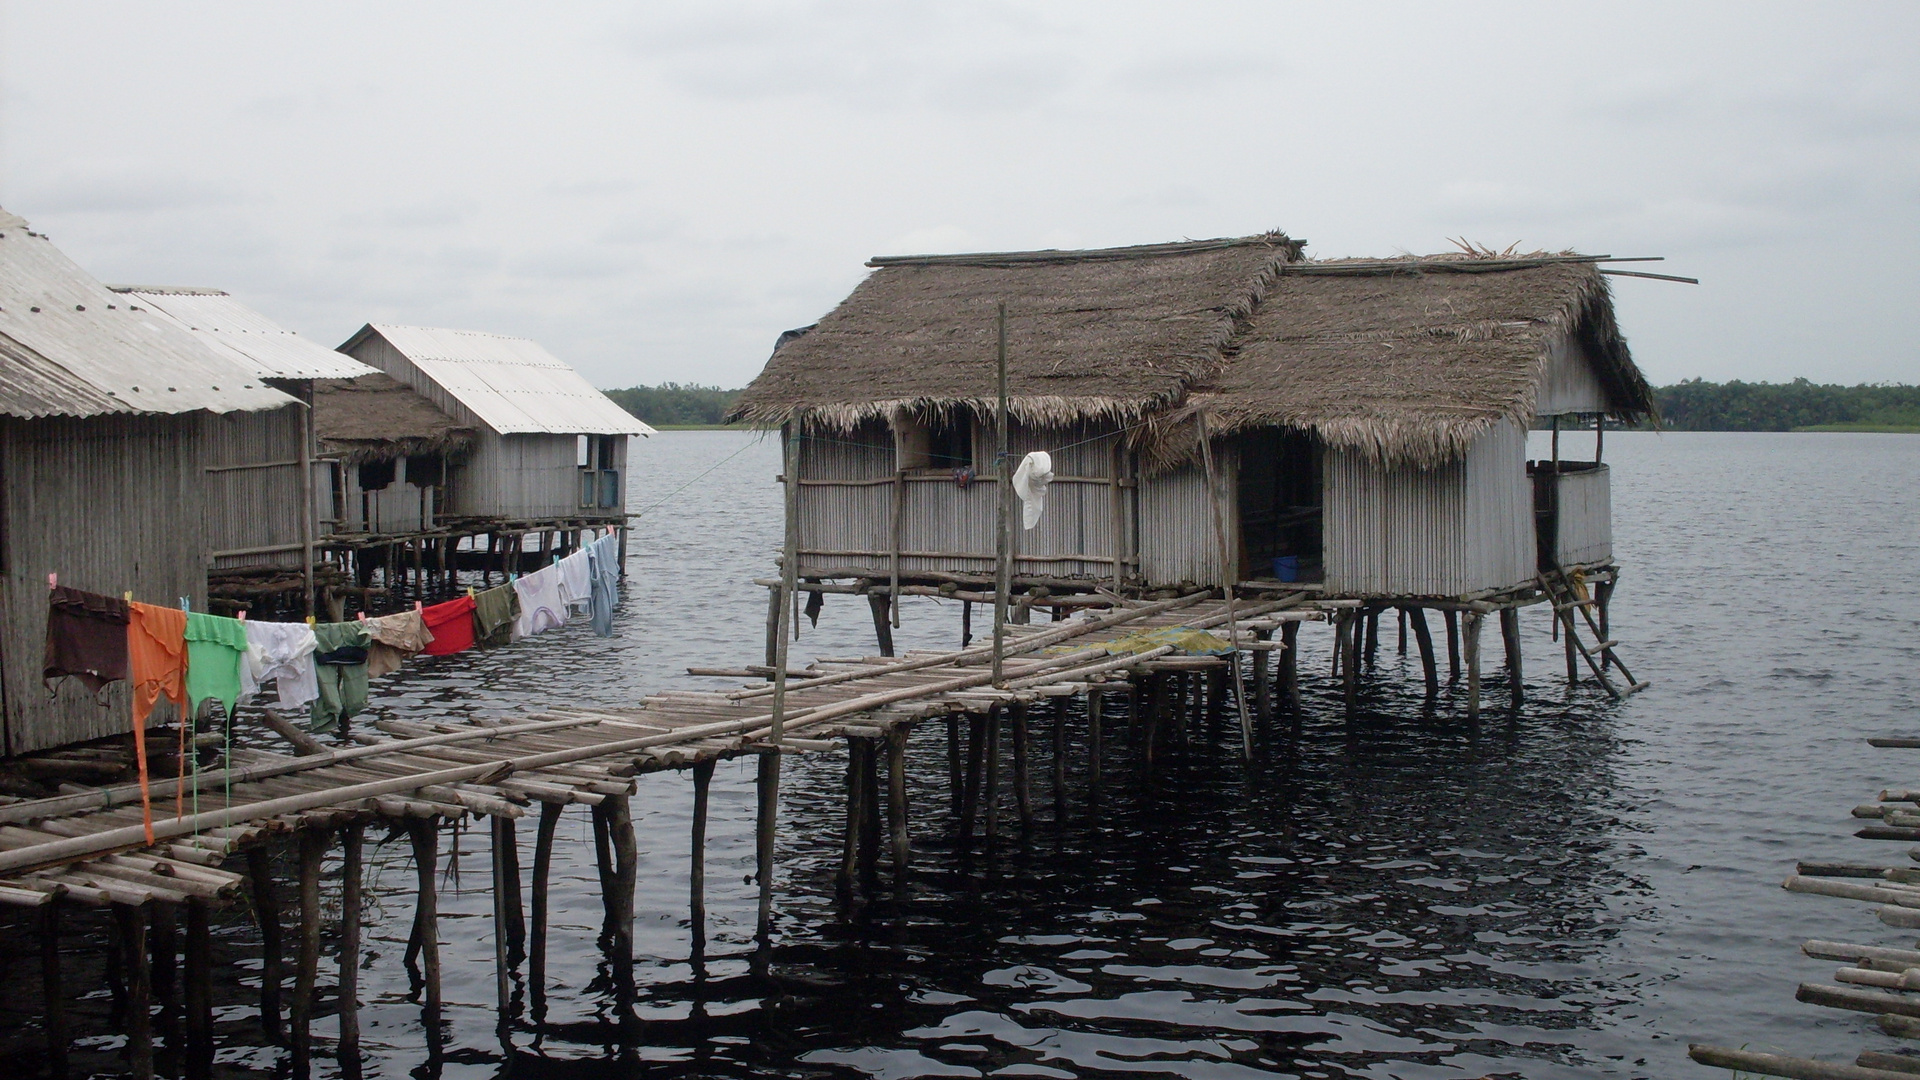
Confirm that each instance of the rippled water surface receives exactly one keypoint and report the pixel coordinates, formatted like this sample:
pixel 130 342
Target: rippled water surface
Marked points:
pixel 1577 890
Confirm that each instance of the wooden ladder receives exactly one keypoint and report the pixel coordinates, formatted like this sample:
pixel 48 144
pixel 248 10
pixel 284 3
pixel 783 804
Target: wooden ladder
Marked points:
pixel 1567 599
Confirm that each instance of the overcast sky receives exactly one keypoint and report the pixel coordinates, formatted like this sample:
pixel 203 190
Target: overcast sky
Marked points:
pixel 655 191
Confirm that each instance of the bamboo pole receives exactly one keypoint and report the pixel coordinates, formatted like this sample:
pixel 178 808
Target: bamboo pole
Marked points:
pixel 348 1048
pixel 697 856
pixel 768 788
pixel 1753 1061
pixel 266 908
pixel 1003 529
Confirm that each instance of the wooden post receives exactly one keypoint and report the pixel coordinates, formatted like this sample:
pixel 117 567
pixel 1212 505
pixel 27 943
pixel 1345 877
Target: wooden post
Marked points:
pixel 768 786
pixel 1471 633
pixel 1003 529
pixel 163 948
pixel 132 923
pixel 992 785
pixel 1423 639
pixel 308 511
pixel 1566 639
pixel 542 870
pixel 313 848
pixel 1510 635
pixel 351 840
pixel 870 823
pixel 1262 690
pixel 773 623
pixel 498 860
pixel 789 578
pixel 697 856
pixel 976 770
pixel 603 862
pixel 626 873
pixel 1602 600
pixel 1403 631
pixel 1094 707
pixel 856 817
pixel 197 995
pixel 1453 646
pixel 1022 778
pixel 966 623
pixel 1290 664
pixel 1349 646
pixel 897 801
pixel 956 771
pixel 266 908
pixel 1373 637
pixel 1059 761
pixel 879 601
pixel 425 835
pixel 52 993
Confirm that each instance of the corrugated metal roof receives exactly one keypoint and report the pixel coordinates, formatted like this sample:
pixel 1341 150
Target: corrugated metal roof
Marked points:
pixel 33 386
pixel 108 343
pixel 268 349
pixel 512 384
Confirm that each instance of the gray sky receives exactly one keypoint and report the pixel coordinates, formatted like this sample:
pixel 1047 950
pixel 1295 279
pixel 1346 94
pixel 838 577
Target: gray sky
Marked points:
pixel 655 191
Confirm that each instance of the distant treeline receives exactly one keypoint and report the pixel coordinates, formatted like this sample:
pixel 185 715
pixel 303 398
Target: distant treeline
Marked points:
pixel 1696 405
pixel 675 403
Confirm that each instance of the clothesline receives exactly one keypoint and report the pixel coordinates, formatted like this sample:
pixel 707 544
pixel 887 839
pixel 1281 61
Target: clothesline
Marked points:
pixel 191 658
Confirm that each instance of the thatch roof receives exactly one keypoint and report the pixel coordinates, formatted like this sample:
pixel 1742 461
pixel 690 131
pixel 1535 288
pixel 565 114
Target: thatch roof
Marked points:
pixel 1411 359
pixel 1113 333
pixel 1408 359
pixel 377 418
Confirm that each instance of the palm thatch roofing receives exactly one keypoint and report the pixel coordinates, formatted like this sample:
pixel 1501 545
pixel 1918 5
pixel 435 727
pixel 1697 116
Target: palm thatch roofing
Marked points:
pixel 378 418
pixel 1406 359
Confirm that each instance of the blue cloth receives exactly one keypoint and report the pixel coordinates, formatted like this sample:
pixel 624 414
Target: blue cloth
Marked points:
pixel 603 561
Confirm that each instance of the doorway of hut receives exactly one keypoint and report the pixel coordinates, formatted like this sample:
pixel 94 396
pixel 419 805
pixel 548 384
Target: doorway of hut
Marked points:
pixel 1279 503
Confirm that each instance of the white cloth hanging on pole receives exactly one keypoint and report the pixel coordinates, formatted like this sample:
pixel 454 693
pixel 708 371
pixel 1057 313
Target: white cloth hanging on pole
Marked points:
pixel 1030 482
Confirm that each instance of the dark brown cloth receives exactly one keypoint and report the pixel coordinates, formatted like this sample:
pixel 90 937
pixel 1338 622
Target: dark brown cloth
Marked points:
pixel 86 638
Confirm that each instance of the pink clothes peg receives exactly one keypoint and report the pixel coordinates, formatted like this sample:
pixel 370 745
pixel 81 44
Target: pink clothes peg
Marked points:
pixel 53 581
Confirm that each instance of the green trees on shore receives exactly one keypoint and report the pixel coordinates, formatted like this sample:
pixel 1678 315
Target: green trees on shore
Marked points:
pixel 1697 405
pixel 675 404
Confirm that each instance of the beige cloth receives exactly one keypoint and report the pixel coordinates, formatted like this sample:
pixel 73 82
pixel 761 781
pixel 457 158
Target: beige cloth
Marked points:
pixel 395 639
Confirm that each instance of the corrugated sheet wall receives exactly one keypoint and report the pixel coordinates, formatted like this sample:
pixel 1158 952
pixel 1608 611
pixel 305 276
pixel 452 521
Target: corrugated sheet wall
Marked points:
pixel 1585 517
pixel 527 476
pixel 1454 529
pixel 110 504
pixel 1179 541
pixel 259 504
pixel 847 505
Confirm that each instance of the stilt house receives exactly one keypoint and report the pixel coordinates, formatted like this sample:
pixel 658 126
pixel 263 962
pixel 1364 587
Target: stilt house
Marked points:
pixel 1366 418
pixel 117 428
pixel 547 448
pixel 390 454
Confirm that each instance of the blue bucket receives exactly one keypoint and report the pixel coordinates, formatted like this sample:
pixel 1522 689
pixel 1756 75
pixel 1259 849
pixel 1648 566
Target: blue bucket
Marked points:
pixel 1286 567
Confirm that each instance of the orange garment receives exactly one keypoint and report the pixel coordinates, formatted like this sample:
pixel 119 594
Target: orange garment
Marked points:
pixel 157 662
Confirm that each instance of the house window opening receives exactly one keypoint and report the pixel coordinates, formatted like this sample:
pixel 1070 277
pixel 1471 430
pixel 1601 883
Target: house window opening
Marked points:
pixel 942 444
pixel 1280 505
pixel 377 475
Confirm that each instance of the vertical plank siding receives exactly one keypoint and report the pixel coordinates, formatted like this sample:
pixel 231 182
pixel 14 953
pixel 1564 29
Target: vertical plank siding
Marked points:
pixel 259 505
pixel 1443 531
pixel 111 504
pixel 1178 542
pixel 1584 529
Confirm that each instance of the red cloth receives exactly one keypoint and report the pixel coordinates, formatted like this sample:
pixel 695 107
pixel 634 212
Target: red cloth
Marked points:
pixel 451 624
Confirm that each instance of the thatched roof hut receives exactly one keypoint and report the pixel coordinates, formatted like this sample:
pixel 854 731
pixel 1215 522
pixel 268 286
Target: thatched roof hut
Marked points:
pixel 376 417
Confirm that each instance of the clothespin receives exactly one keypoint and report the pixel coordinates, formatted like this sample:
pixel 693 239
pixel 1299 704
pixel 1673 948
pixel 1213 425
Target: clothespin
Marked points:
pixel 241 614
pixel 127 596
pixel 53 581
pixel 186 603
pixel 363 616
pixel 416 606
pixel 469 592
pixel 311 621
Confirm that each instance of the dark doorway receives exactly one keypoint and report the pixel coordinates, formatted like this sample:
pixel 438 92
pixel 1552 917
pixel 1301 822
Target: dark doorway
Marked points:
pixel 1279 505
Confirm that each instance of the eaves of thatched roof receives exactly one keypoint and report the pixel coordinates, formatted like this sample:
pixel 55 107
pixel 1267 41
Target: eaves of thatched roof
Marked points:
pixel 377 418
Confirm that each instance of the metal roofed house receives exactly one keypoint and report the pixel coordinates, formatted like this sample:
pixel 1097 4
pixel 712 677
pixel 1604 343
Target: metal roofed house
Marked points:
pixel 1221 413
pixel 109 415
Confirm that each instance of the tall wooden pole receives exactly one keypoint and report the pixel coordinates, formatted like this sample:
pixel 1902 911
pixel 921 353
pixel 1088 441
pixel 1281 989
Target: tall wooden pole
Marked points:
pixel 697 864
pixel 1003 533
pixel 542 868
pixel 789 576
pixel 897 801
pixel 308 526
pixel 1229 573
pixel 348 1048
pixel 313 849
pixel 267 909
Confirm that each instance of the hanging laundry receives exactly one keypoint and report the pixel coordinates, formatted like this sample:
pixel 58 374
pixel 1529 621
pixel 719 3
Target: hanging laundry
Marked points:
pixel 494 613
pixel 340 656
pixel 396 638
pixel 86 638
pixel 281 653
pixel 576 580
pixel 603 559
pixel 216 645
pixel 157 667
pixel 451 625
pixel 541 606
pixel 1030 482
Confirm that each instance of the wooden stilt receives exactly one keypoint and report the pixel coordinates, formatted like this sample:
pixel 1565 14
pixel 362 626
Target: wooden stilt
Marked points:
pixel 1095 701
pixel 697 856
pixel 1602 600
pixel 197 994
pixel 498 862
pixel 1350 632
pixel 1262 690
pixel 1510 635
pixel 768 785
pixel 1059 760
pixel 870 823
pixel 511 899
pixel 1403 631
pixel 966 622
pixel 991 794
pixel 956 770
pixel 1373 636
pixel 1573 656
pixel 1453 646
pixel 1150 726
pixel 856 818
pixel 1022 773
pixel 347 1049
pixel 425 836
pixel 306 971
pixel 1471 634
pixel 163 949
pixel 132 923
pixel 902 852
pixel 53 994
pixel 773 624
pixel 266 908
pixel 603 862
pixel 1290 664
pixel 880 601
pixel 976 771
pixel 1423 640
pixel 542 870
pixel 626 874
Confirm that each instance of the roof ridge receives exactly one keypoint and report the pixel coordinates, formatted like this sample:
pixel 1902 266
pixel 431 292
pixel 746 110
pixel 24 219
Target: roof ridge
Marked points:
pixel 1275 238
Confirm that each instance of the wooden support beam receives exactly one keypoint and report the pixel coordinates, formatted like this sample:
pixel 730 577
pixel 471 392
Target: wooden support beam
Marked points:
pixel 991 788
pixel 266 908
pixel 1290 664
pixel 352 840
pixel 902 849
pixel 1095 705
pixel 855 819
pixel 1022 772
pixel 197 995
pixel 163 949
pixel 871 825
pixel 774 599
pixel 1350 645
pixel 1471 634
pixel 542 870
pixel 306 972
pixel 512 902
pixel 881 602
pixel 1059 725
pixel 976 774
pixel 1423 641
pixel 53 994
pixel 697 856
pixel 956 768
pixel 1510 636
pixel 425 836
pixel 767 786
pixel 619 816
pixel 497 860
pixel 1453 646
pixel 1262 690
pixel 132 924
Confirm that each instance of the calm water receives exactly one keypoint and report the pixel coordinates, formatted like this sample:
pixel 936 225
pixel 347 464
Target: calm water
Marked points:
pixel 1576 892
